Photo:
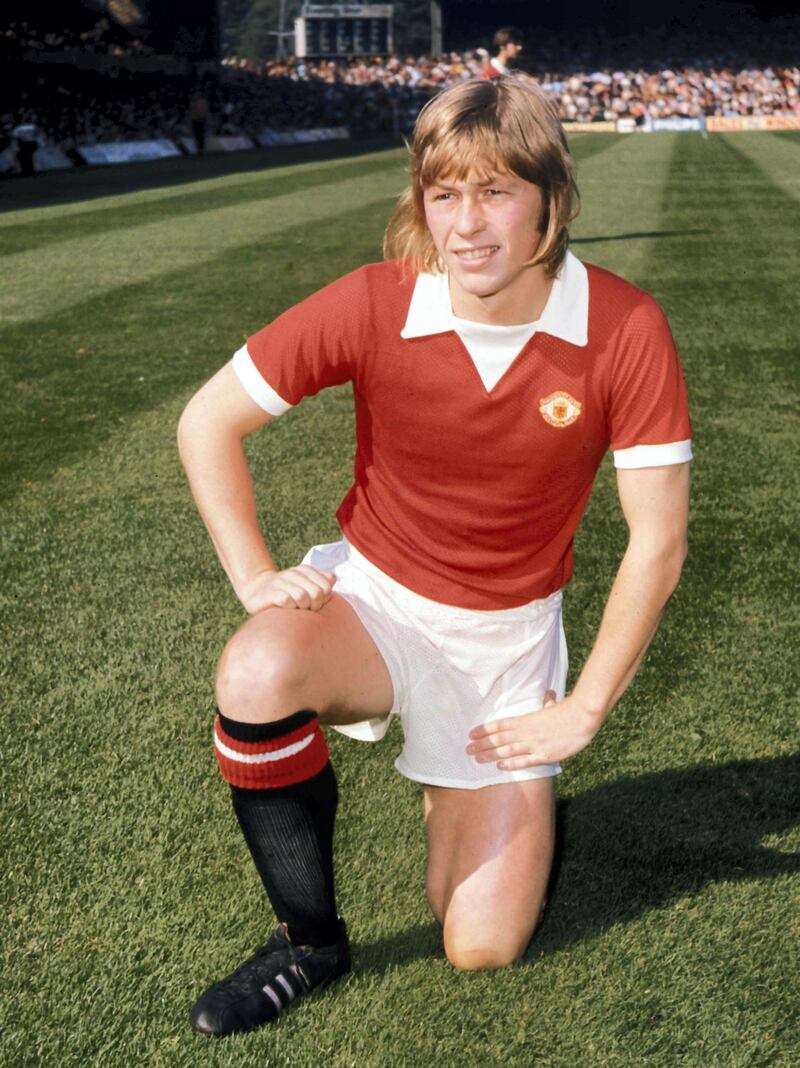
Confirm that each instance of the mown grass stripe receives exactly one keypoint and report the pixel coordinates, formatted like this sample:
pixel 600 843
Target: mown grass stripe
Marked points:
pixel 72 381
pixel 777 158
pixel 69 192
pixel 583 146
pixel 621 193
pixel 133 213
pixel 103 263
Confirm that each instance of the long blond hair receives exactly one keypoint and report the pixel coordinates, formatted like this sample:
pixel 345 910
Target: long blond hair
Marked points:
pixel 480 127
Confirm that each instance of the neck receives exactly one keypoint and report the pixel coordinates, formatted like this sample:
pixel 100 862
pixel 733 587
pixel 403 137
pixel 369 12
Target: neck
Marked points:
pixel 521 301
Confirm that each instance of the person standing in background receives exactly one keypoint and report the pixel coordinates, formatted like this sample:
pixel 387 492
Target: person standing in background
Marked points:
pixel 26 137
pixel 198 116
pixel 508 43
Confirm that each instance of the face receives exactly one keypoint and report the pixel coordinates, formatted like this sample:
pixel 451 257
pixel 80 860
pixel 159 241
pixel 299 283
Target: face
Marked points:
pixel 484 231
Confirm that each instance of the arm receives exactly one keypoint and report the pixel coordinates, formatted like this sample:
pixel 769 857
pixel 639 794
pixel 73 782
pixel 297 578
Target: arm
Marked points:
pixel 655 503
pixel 211 432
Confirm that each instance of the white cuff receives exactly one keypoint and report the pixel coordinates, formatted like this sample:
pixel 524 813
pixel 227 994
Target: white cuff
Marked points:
pixel 262 393
pixel 675 452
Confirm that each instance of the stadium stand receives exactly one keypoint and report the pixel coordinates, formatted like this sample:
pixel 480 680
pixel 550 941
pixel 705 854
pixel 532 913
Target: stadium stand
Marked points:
pixel 99 85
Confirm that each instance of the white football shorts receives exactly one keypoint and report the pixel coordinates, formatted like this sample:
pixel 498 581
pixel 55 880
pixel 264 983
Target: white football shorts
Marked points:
pixel 451 668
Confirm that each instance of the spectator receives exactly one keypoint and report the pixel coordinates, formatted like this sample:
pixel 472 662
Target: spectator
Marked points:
pixel 26 137
pixel 508 43
pixel 199 111
pixel 124 98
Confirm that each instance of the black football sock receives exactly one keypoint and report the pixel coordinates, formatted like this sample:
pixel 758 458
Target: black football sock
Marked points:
pixel 284 794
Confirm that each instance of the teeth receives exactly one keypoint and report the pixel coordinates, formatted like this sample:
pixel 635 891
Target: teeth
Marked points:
pixel 477 253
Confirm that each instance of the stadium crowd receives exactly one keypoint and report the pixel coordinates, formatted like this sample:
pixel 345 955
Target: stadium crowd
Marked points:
pixel 582 96
pixel 654 78
pixel 21 40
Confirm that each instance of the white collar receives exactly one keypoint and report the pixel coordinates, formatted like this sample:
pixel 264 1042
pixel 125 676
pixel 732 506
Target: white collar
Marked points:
pixel 565 316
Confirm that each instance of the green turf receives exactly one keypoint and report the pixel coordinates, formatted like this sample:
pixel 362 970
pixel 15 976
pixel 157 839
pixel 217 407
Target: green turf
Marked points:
pixel 673 937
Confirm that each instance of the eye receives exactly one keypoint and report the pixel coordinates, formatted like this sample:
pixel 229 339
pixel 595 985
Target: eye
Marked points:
pixel 559 409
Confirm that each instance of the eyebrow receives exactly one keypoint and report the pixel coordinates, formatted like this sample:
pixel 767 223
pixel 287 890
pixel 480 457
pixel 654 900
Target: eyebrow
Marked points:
pixel 487 182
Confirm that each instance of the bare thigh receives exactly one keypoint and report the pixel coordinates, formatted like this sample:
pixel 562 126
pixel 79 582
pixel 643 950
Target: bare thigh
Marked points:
pixel 284 659
pixel 489 857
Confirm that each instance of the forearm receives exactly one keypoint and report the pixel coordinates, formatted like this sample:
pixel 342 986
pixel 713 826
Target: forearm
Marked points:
pixel 644 583
pixel 220 480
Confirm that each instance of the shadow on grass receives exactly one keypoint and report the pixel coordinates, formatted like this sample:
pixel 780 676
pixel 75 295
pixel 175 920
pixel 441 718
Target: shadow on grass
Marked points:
pixel 420 942
pixel 636 236
pixel 644 843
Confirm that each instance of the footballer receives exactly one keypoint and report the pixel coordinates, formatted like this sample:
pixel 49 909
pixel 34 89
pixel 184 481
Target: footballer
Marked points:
pixel 491 371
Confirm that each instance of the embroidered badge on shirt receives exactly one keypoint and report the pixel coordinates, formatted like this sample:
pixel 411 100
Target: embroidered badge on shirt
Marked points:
pixel 559 408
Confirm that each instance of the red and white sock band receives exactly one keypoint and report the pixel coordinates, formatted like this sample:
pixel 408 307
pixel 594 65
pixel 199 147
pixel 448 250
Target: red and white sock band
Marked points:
pixel 264 756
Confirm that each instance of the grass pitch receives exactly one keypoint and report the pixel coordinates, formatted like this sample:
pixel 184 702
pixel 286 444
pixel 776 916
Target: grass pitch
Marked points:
pixel 673 937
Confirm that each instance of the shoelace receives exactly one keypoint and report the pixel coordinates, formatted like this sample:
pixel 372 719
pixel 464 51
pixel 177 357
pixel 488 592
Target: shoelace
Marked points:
pixel 251 971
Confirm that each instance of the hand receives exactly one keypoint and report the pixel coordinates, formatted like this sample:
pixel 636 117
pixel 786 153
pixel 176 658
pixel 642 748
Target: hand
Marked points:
pixel 558 731
pixel 296 587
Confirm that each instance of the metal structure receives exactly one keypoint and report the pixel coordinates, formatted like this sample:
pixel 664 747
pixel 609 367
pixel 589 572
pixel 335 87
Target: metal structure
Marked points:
pixel 338 30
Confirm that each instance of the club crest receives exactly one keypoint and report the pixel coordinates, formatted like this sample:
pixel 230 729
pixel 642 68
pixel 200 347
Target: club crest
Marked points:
pixel 559 408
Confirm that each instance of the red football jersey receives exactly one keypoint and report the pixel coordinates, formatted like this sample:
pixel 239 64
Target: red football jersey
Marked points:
pixel 467 496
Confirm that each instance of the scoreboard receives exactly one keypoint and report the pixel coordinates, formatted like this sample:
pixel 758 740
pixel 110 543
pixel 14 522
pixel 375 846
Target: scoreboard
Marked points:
pixel 344 30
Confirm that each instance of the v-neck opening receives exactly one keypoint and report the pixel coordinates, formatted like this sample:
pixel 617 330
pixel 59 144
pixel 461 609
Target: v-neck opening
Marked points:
pixel 489 393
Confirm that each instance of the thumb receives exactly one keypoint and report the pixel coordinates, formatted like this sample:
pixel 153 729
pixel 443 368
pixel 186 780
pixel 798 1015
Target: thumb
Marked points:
pixel 549 698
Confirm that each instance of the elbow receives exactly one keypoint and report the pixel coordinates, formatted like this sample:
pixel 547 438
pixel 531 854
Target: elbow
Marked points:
pixel 672 561
pixel 663 559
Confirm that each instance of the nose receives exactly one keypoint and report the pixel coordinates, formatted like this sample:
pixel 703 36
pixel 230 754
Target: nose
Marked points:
pixel 470 218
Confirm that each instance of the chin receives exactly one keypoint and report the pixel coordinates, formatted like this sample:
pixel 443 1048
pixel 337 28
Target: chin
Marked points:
pixel 480 287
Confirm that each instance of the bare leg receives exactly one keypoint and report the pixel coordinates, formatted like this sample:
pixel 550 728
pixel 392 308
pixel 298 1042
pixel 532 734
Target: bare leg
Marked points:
pixel 279 669
pixel 285 659
pixel 489 857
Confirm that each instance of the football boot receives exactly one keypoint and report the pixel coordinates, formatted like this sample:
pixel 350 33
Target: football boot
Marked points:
pixel 267 983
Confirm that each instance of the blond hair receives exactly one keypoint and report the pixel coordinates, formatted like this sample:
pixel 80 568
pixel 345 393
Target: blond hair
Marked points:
pixel 485 127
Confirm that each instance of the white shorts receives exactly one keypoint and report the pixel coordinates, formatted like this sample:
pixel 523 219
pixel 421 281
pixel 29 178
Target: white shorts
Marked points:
pixel 451 668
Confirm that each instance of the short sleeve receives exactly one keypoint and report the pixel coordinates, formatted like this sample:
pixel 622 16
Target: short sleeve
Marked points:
pixel 317 343
pixel 648 408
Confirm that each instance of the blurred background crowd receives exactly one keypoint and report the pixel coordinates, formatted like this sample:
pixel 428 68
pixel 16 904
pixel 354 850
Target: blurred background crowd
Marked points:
pixel 99 84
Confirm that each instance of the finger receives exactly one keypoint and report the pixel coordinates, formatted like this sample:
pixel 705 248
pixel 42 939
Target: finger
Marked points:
pixel 492 741
pixel 301 593
pixel 320 586
pixel 549 698
pixel 277 598
pixel 312 589
pixel 496 726
pixel 324 579
pixel 501 752
pixel 516 763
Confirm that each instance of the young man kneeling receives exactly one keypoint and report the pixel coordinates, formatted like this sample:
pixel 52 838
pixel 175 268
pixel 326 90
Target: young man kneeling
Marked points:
pixel 491 371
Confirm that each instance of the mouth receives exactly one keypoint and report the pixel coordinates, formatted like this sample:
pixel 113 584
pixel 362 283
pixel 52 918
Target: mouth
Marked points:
pixel 476 255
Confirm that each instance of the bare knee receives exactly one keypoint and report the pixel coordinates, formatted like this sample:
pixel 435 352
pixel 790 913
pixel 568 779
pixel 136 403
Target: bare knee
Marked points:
pixel 262 670
pixel 475 955
pixel 482 946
